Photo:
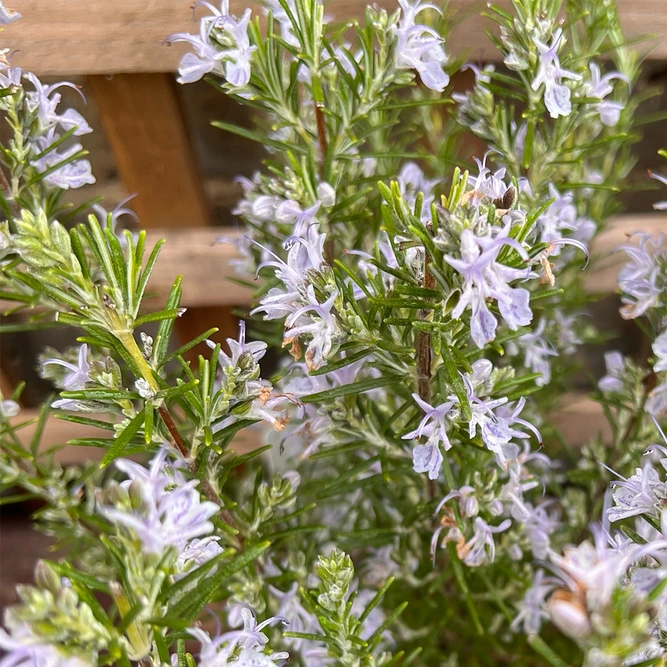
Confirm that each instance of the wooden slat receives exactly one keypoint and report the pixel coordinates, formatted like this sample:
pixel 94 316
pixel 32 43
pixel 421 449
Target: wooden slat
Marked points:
pixel 144 124
pixel 142 120
pixel 67 37
pixel 205 264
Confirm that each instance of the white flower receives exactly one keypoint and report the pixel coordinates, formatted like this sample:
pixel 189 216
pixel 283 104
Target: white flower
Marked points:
pixel 640 494
pixel 613 380
pixel 480 548
pixel 428 458
pixel 171 514
pixel 222 39
pixel 421 48
pixel 144 389
pixel 639 279
pixel 7 15
pixel 249 642
pixel 22 648
pixel 326 194
pixel 532 608
pixel 551 74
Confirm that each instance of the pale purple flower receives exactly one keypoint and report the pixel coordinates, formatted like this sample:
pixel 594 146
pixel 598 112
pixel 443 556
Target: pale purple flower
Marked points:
pixel 538 525
pixel 656 403
pixel 7 15
pixel 297 301
pixel 280 15
pixel 253 351
pixel 481 548
pixel 660 350
pixel 551 74
pixel 428 458
pixel 660 205
pixel 10 77
pixel 8 408
pixel 561 215
pixel 600 87
pixel 484 278
pixel 640 494
pixel 44 100
pixel 613 380
pixel 379 565
pixel 568 337
pixel 240 648
pixel 532 608
pixel 71 175
pixel 595 568
pixel 171 514
pixel 321 325
pixel 487 184
pixel 537 353
pixel 289 212
pixel 411 180
pixel 421 48
pixel 221 47
pixel 76 376
pixel 22 648
pixel 468 503
pixel 639 278
pixel 116 213
pixel 503 432
pixel 481 77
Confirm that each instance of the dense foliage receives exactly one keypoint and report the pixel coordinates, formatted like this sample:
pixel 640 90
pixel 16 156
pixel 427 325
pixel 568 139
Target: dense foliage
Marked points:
pixel 414 504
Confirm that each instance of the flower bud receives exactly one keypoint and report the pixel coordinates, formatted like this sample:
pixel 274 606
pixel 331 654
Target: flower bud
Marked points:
pixel 326 194
pixel 45 577
pixel 569 614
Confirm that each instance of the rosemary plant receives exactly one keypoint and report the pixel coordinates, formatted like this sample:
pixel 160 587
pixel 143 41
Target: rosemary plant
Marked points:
pixel 414 504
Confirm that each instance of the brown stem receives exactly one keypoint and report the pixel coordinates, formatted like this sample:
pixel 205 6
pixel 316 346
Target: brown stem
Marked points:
pixel 424 358
pixel 321 137
pixel 7 192
pixel 182 447
pixel 424 344
pixel 329 251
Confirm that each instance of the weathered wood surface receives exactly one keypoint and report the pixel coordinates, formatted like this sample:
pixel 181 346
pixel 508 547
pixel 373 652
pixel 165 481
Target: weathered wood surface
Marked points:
pixel 67 37
pixel 143 123
pixel 206 269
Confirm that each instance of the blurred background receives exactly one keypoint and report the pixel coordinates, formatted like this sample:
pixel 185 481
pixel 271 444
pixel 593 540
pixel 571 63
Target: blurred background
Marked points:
pixel 152 138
